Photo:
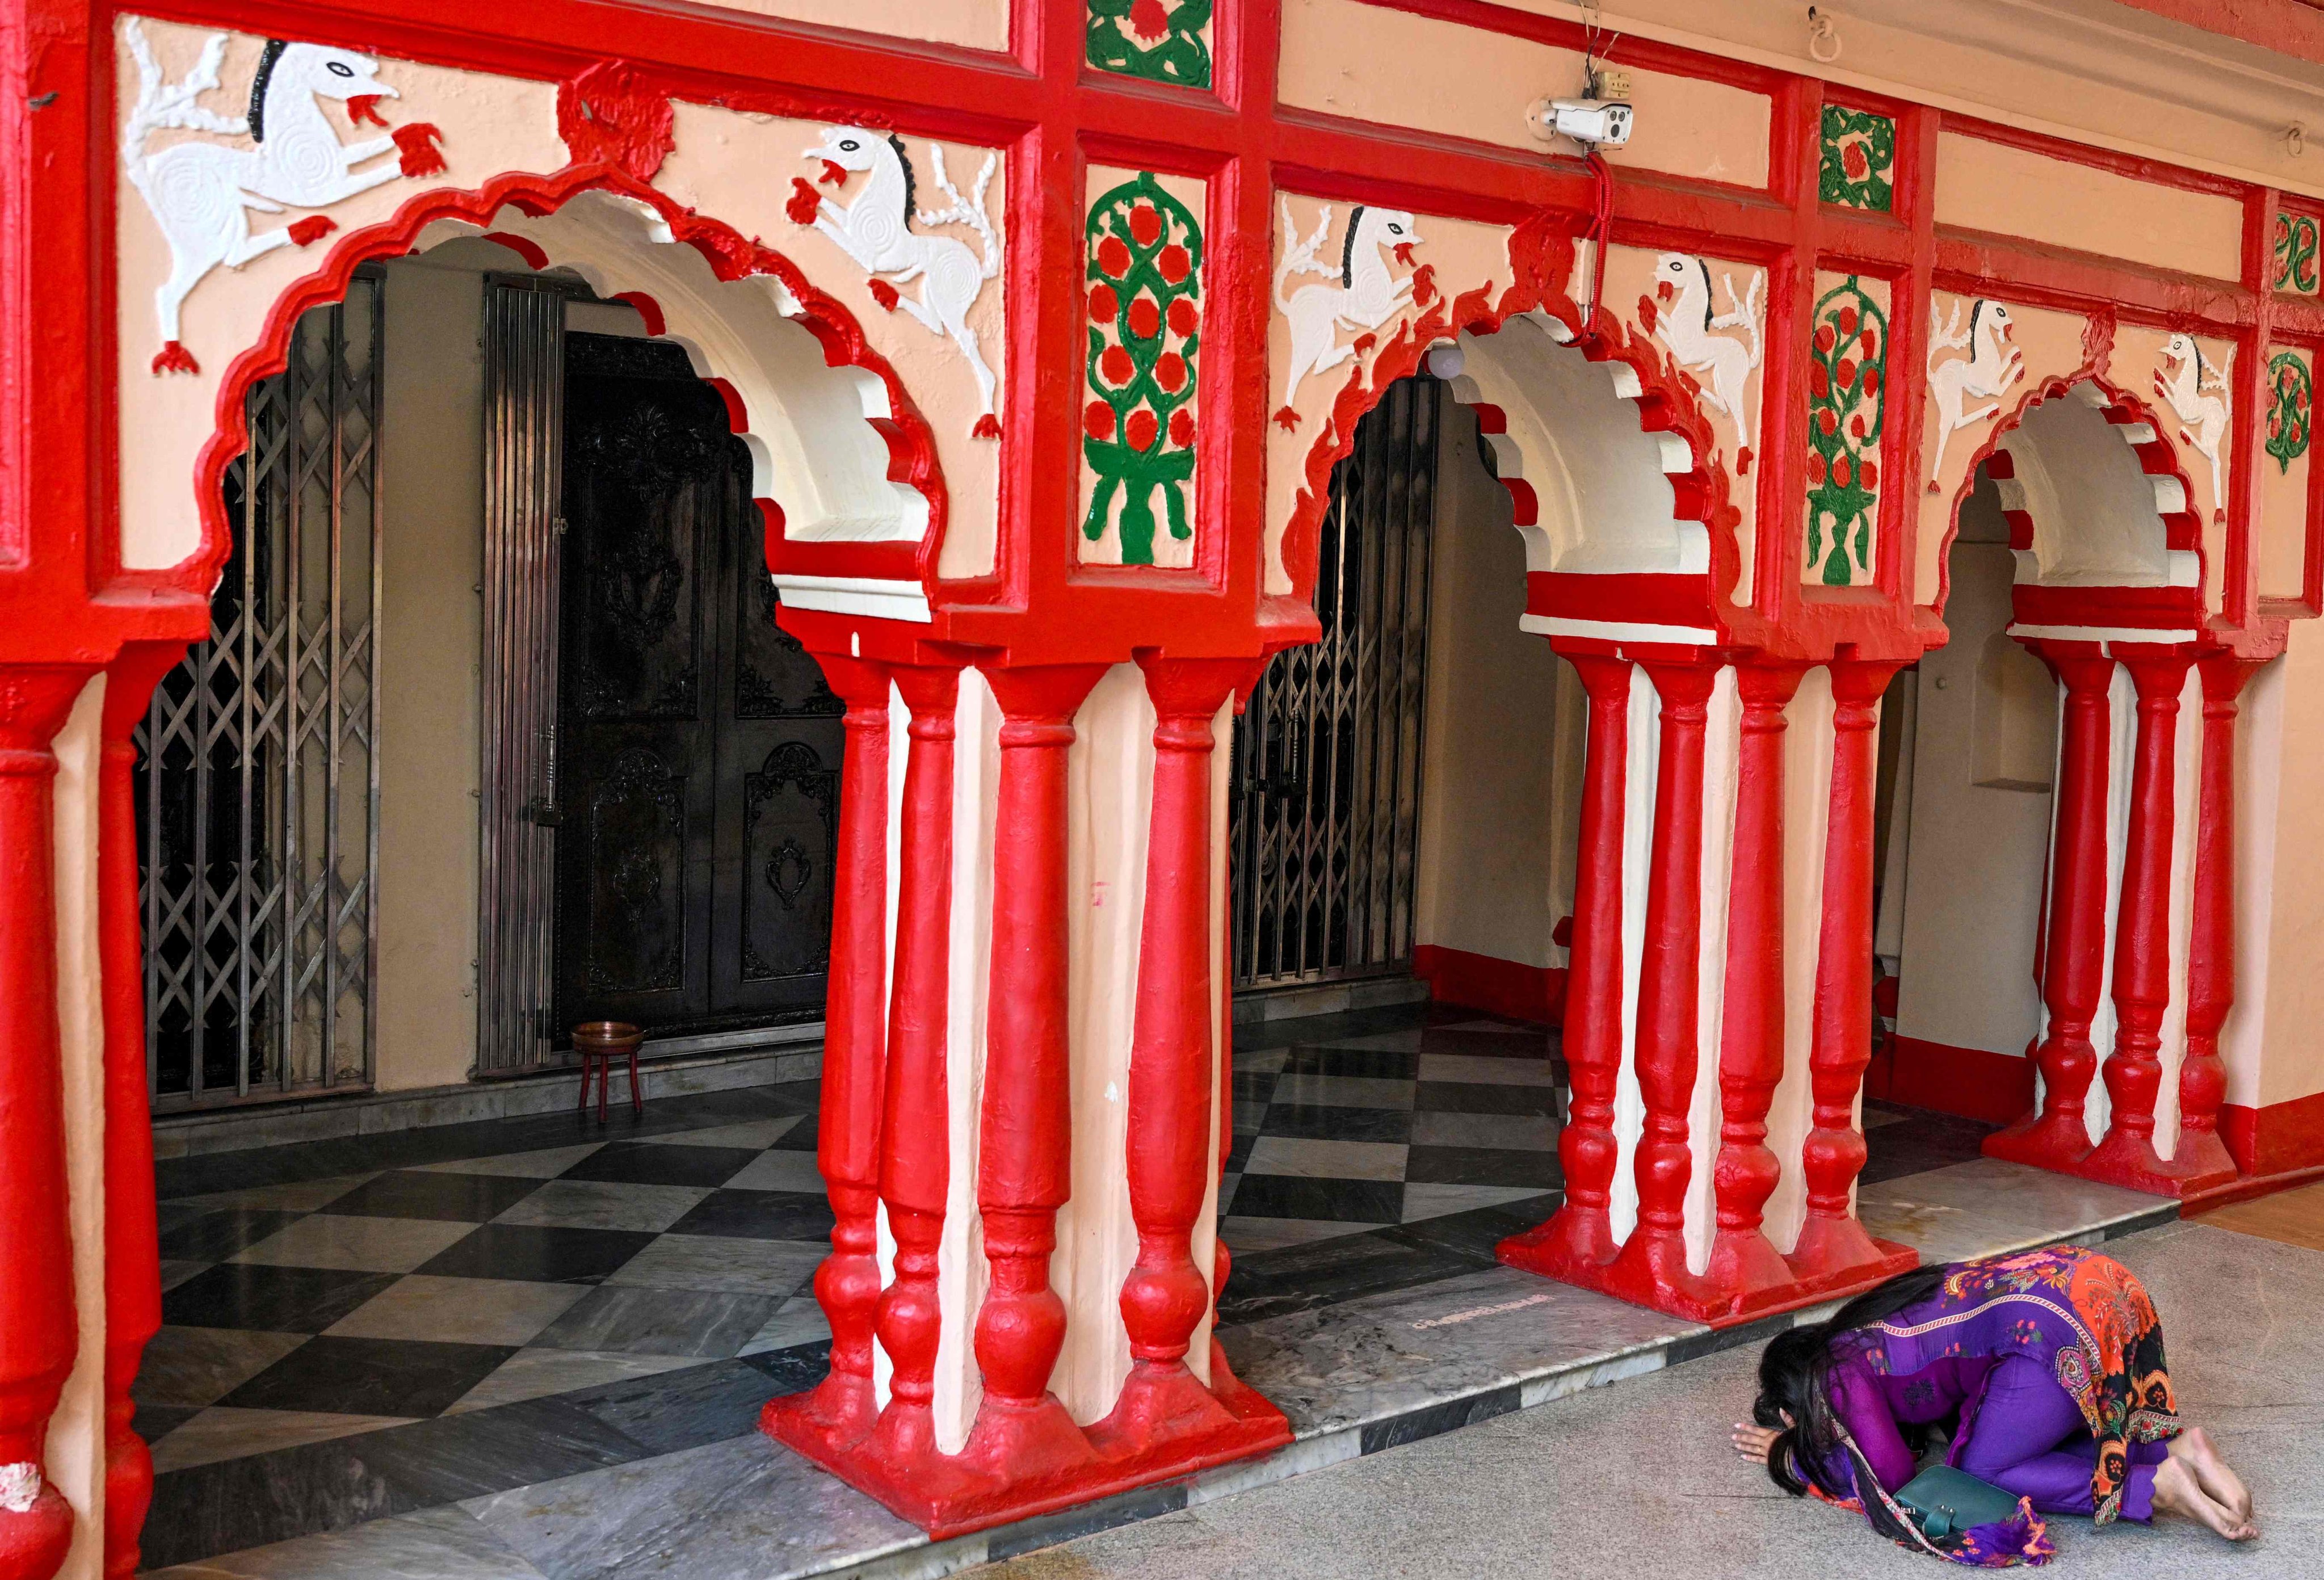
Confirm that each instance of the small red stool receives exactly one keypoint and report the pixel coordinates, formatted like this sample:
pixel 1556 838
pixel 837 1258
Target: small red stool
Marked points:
pixel 600 1043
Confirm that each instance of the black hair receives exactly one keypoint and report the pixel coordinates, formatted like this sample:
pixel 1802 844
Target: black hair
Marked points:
pixel 1347 248
pixel 267 57
pixel 1794 1376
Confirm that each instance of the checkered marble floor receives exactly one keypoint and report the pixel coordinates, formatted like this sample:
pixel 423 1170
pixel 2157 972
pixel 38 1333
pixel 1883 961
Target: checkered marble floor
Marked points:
pixel 477 1316
pixel 310 1309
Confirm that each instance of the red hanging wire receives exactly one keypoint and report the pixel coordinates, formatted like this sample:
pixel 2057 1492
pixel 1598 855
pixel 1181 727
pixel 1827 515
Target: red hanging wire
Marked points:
pixel 1601 227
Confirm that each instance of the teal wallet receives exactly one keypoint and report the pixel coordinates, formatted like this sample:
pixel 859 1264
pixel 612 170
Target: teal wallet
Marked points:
pixel 1947 1502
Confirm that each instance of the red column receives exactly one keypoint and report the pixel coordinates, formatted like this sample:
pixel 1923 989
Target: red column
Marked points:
pixel 2202 1161
pixel 1172 1112
pixel 1578 1241
pixel 1744 1261
pixel 1025 1163
pixel 915 1152
pixel 2074 955
pixel 38 1323
pixel 1651 1268
pixel 854 1057
pixel 133 1273
pixel 1833 1247
pixel 2141 955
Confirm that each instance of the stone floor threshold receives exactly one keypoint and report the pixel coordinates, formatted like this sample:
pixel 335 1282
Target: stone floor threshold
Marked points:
pixel 1371 1374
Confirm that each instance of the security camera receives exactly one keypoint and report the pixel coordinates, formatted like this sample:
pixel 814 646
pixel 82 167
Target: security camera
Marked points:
pixel 1601 122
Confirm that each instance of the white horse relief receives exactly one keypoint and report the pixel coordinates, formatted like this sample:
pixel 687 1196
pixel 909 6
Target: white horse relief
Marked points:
pixel 1683 318
pixel 2197 392
pixel 1992 366
pixel 876 231
pixel 202 193
pixel 1362 294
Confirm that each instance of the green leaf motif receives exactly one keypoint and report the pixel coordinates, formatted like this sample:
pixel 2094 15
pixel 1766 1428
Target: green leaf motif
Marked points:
pixel 2291 409
pixel 1847 404
pixel 1145 321
pixel 1154 40
pixel 2296 254
pixel 1858 165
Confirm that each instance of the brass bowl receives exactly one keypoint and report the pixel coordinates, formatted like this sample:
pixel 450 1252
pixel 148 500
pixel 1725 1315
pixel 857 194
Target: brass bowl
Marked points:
pixel 618 1038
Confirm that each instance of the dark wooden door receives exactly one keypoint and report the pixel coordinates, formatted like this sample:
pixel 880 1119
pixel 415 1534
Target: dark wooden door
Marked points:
pixel 699 748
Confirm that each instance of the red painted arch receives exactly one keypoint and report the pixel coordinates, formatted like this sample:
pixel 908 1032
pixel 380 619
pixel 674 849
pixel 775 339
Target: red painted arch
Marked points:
pixel 1541 255
pixel 909 443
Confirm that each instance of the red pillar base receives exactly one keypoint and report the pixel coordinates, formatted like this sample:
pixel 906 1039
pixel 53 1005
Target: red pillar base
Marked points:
pixel 1036 1460
pixel 1574 1247
pixel 1820 1269
pixel 2202 1165
pixel 2056 1141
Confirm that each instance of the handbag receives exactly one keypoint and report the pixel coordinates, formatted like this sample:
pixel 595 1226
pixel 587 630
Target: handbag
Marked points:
pixel 1945 1502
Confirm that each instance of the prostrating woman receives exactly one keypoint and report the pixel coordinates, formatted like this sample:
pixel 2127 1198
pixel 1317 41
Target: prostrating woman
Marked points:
pixel 2046 1371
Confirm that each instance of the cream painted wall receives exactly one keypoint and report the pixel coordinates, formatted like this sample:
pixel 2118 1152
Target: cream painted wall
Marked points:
pixel 1974 863
pixel 2273 1054
pixel 1494 872
pixel 430 637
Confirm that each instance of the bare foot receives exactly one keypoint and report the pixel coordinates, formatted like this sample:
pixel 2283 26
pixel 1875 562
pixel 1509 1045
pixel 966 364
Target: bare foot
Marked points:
pixel 2177 1492
pixel 2221 1484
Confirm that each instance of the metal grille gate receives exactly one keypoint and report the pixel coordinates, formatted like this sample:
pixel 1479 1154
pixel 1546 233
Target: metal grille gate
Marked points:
pixel 524 437
pixel 258 774
pixel 1326 764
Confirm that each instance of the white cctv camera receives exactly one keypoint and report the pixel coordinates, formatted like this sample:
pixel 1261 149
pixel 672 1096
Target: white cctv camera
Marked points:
pixel 1601 122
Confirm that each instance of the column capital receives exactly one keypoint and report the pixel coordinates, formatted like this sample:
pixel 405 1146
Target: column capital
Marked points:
pixel 1768 683
pixel 1194 688
pixel 1041 694
pixel 35 699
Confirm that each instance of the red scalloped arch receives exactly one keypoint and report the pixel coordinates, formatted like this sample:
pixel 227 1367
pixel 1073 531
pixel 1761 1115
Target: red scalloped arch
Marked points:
pixel 1543 257
pixel 909 442
pixel 2181 529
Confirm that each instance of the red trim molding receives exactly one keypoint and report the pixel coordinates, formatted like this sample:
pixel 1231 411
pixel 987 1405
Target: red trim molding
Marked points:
pixel 2276 1139
pixel 1500 987
pixel 1996 1088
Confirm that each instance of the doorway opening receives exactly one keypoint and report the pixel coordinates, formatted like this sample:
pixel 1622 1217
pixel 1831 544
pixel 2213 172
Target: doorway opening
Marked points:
pixel 660 815
pixel 1326 763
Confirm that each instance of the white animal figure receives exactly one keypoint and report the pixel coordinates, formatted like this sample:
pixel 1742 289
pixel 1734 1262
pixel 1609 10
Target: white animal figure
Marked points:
pixel 1992 366
pixel 200 192
pixel 1684 322
pixel 876 231
pixel 1365 297
pixel 2197 392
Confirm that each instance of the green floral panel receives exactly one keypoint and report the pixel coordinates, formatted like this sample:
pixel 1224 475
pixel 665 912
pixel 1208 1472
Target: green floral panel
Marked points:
pixel 2290 408
pixel 1847 398
pixel 2295 254
pixel 1859 168
pixel 1158 40
pixel 1145 321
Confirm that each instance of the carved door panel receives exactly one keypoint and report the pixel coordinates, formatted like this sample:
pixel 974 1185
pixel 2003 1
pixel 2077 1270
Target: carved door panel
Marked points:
pixel 697 755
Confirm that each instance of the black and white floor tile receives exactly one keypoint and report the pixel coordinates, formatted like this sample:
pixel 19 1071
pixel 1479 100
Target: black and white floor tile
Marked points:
pixel 364 1332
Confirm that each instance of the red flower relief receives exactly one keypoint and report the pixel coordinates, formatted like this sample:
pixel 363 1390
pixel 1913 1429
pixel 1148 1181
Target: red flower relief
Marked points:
pixel 1114 365
pixel 1148 21
pixel 1170 371
pixel 1103 304
pixel 1868 474
pixel 1114 257
pixel 1852 161
pixel 1140 430
pixel 1846 319
pixel 1846 373
pixel 1182 428
pixel 1174 263
pixel 1144 225
pixel 1823 337
pixel 1815 467
pixel 1185 318
pixel 1097 420
pixel 1827 421
pixel 1145 318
